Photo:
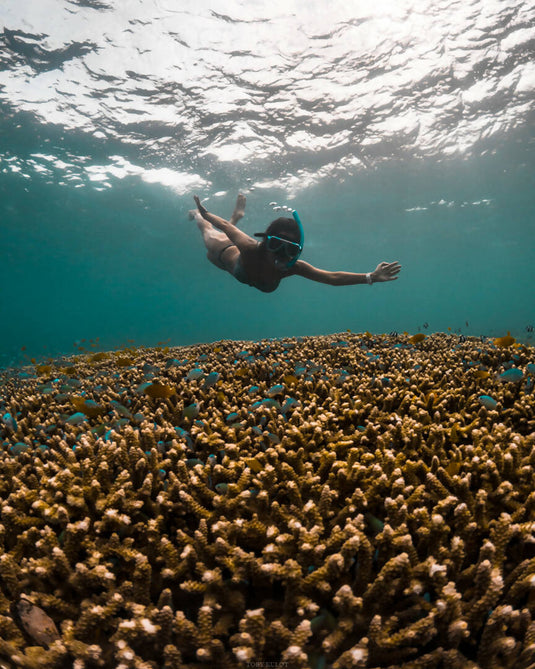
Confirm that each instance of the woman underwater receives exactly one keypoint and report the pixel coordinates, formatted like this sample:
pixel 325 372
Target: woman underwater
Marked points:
pixel 262 264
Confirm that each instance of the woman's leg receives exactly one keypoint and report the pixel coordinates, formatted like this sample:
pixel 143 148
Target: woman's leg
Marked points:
pixel 237 214
pixel 215 241
pixel 239 210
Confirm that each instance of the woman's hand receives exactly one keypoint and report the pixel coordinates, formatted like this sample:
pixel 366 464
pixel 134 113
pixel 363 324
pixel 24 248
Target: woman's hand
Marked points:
pixel 202 210
pixel 386 271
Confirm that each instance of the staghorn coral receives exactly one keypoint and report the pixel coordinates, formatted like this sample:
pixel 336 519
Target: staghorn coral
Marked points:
pixel 331 501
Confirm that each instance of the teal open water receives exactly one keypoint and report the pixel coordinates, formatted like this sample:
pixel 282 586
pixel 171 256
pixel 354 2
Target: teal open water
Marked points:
pixel 399 130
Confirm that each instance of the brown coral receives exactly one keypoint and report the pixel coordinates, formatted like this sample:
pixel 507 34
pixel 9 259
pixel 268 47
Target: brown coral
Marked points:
pixel 331 499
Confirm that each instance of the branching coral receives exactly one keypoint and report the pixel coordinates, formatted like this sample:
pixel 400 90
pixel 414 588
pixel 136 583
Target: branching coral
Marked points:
pixel 331 501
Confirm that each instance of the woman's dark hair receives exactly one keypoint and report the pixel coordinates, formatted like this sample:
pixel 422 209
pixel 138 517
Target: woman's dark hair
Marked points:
pixel 286 228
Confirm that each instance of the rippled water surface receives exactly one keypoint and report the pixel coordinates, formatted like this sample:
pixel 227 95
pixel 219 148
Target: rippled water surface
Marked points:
pixel 400 130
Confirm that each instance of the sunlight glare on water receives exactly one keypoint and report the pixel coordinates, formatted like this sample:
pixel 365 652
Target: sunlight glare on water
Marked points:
pixel 340 87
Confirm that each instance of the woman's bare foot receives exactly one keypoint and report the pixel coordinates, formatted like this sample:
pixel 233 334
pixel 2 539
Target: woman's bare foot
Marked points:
pixel 194 215
pixel 239 209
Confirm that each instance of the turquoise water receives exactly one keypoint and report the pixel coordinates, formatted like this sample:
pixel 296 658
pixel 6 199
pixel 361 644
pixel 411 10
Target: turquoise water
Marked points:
pixel 93 215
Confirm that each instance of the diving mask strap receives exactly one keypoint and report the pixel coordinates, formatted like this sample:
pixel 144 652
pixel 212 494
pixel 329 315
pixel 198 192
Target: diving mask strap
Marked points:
pixel 302 237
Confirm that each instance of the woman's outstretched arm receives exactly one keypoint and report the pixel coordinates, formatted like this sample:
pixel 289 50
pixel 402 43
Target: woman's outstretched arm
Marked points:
pixel 384 271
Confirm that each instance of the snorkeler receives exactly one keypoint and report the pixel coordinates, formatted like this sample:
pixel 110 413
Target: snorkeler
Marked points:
pixel 262 264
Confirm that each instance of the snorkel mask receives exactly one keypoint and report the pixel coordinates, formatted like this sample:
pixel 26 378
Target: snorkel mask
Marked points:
pixel 284 247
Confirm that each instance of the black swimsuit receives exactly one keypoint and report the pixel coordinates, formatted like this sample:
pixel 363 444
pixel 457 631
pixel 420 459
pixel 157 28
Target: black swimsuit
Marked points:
pixel 242 276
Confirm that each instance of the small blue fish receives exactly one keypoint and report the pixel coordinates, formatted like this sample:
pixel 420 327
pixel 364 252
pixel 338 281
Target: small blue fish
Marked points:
pixel 18 448
pixel 232 417
pixel 211 380
pixel 76 418
pixel 271 403
pixel 121 410
pixel 195 374
pixel 191 462
pixel 184 434
pixel 141 388
pixel 176 363
pixel 487 401
pixel 10 422
pixel 513 374
pixel 530 368
pixel 290 403
pixel 149 369
pixel 191 411
pixel 275 390
pixel 253 389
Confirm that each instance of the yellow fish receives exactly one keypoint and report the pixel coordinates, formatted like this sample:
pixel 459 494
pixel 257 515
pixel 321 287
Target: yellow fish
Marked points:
pixel 504 342
pixel 89 408
pixel 159 390
pixel 98 357
pixel 289 379
pixel 415 339
pixel 254 464
pixel 124 361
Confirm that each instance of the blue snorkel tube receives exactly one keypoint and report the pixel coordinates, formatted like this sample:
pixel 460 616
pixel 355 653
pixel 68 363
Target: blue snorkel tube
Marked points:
pixel 302 238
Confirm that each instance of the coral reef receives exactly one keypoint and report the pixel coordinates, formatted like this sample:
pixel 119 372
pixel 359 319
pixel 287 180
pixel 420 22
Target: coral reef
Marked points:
pixel 339 501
